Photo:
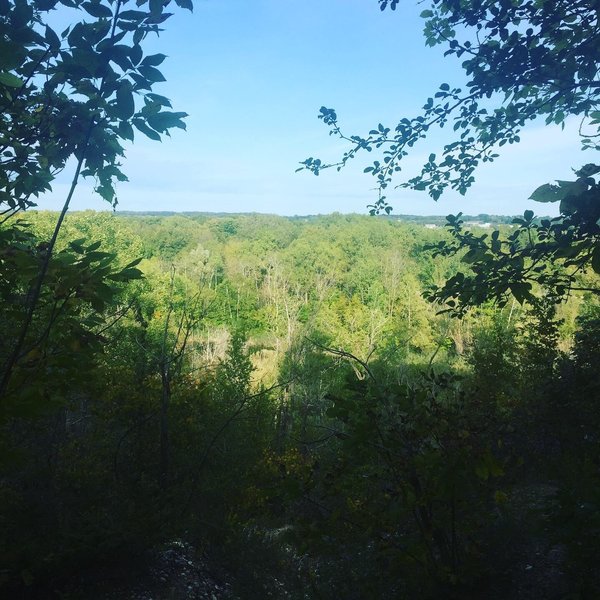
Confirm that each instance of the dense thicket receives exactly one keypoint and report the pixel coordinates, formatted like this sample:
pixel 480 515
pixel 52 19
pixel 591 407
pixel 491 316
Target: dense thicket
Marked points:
pixel 278 391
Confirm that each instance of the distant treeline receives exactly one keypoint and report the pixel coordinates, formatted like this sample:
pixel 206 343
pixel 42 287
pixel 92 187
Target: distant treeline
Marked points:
pixel 438 220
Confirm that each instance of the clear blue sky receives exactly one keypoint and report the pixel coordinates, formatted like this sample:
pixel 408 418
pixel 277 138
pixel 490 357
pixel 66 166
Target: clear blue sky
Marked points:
pixel 252 74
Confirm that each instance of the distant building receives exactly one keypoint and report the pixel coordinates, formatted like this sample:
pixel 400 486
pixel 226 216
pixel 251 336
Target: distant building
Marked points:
pixel 477 224
pixel 430 226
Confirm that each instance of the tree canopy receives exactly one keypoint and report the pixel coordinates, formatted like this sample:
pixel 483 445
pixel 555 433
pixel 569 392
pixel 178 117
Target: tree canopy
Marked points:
pixel 525 60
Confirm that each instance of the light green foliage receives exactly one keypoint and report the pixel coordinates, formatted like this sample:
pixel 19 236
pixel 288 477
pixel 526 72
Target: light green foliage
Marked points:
pixel 168 236
pixel 104 227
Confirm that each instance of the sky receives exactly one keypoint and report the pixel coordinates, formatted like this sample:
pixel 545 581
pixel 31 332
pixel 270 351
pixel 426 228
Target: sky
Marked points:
pixel 252 75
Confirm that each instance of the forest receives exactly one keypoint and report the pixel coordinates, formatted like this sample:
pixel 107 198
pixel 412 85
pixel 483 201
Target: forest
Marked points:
pixel 241 406
pixel 279 393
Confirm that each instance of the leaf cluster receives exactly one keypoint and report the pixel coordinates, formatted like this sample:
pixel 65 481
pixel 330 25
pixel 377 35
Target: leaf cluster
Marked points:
pixel 80 289
pixel 76 93
pixel 552 255
pixel 524 59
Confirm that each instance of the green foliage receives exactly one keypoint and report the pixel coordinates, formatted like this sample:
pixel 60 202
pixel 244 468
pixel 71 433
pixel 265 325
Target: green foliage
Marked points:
pixel 80 290
pixel 350 442
pixel 532 58
pixel 77 93
pixel 552 254
pixel 523 60
pixel 71 97
pixel 493 358
pixel 408 473
pixel 575 404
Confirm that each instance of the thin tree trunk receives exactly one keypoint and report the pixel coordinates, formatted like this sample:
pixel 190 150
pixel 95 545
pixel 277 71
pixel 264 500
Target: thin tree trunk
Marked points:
pixel 34 294
pixel 165 450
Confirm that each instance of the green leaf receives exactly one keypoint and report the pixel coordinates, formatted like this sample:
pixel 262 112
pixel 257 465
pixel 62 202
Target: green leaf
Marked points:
pixel 154 59
pixel 155 6
pixel 166 120
pixel 51 38
pixel 567 251
pixel 588 170
pixel 133 15
pixel 185 4
pixel 125 101
pixel 135 54
pixel 546 193
pixel 21 15
pixel 151 74
pixel 97 304
pixel 161 100
pixel 141 126
pixel 119 54
pixel 521 291
pixel 97 10
pixel 125 130
pixel 133 263
pixel 93 246
pixel 555 193
pixel 138 35
pixel 596 259
pixel 77 245
pixel 10 80
pixel 475 255
pixel 132 274
pixel 141 82
pixel 12 55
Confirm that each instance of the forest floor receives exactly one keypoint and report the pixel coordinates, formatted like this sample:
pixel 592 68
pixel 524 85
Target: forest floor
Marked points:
pixel 532 566
pixel 173 572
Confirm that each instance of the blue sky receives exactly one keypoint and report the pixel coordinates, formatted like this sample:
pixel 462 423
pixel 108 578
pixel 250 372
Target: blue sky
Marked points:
pixel 252 74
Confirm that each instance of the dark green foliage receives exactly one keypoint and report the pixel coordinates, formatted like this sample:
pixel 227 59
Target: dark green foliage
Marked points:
pixel 575 405
pixel 81 288
pixel 76 93
pixel 560 255
pixel 533 59
pixel 421 474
